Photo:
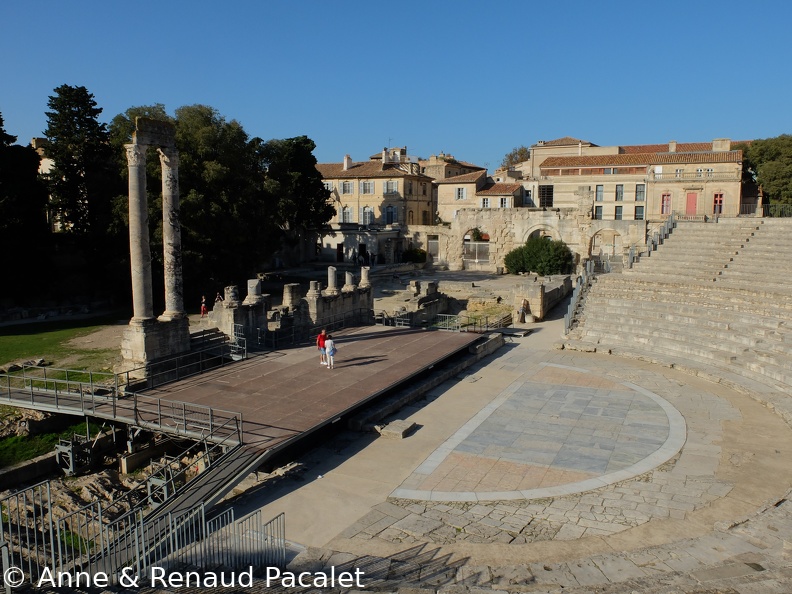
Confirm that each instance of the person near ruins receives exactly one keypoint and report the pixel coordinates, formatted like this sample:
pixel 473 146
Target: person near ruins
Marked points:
pixel 320 344
pixel 204 311
pixel 218 298
pixel 331 349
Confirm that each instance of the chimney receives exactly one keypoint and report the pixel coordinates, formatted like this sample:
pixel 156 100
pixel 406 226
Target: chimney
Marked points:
pixel 347 162
pixel 672 146
pixel 721 145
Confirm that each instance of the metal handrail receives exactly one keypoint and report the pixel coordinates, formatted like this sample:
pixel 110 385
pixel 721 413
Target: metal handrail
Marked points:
pixel 103 401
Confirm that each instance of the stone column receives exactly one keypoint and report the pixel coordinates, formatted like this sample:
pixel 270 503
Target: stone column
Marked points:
pixel 231 296
pixel 349 282
pixel 254 292
pixel 171 235
pixel 365 283
pixel 314 290
pixel 291 295
pixel 332 287
pixel 139 249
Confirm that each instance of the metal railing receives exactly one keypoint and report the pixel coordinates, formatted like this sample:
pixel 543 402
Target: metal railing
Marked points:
pixel 478 324
pixel 172 369
pixel 35 387
pixel 577 294
pixel 777 210
pixel 697 175
pixel 88 540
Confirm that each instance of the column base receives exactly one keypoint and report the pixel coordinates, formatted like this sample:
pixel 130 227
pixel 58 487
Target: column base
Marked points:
pixel 149 339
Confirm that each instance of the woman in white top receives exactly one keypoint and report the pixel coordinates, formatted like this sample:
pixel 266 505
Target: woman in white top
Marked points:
pixel 330 350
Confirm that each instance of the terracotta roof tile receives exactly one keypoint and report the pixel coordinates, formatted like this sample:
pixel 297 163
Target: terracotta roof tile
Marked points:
pixel 466 178
pixel 498 189
pixel 682 147
pixel 565 141
pixel 638 159
pixel 365 170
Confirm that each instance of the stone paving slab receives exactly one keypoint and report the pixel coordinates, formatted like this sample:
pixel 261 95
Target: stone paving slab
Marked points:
pixel 557 430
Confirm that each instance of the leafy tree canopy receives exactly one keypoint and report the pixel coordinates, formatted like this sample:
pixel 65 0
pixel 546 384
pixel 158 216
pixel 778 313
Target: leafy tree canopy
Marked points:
pixel 541 255
pixel 5 139
pixel 296 187
pixel 516 155
pixel 23 214
pixel 83 179
pixel 769 162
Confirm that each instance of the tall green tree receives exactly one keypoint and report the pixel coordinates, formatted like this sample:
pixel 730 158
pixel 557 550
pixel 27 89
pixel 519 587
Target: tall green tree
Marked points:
pixel 84 177
pixel 24 232
pixel 769 163
pixel 302 208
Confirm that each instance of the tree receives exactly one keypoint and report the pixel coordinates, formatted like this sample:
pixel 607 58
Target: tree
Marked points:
pixel 23 217
pixel 83 179
pixel 517 155
pixel 769 163
pixel 295 185
pixel 541 255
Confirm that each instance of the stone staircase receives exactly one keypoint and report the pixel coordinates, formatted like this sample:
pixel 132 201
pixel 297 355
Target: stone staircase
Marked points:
pixel 715 300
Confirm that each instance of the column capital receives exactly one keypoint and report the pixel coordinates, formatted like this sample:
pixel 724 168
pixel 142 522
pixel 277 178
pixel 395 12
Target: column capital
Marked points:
pixel 169 157
pixel 136 154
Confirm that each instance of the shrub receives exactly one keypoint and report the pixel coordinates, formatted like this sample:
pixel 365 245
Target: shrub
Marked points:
pixel 540 255
pixel 415 255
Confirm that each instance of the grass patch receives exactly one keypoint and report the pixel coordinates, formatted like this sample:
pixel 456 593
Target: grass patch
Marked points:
pixel 21 448
pixel 48 340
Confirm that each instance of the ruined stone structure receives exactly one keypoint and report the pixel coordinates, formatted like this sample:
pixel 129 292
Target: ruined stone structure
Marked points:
pixel 323 307
pixel 510 228
pixel 248 318
pixel 148 337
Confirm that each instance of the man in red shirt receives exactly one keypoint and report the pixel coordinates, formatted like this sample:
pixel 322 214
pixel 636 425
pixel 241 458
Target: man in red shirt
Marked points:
pixel 320 344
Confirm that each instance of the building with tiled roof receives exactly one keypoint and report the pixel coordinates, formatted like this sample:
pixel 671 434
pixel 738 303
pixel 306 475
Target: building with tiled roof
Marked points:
pixel 372 199
pixel 443 166
pixel 475 190
pixel 635 181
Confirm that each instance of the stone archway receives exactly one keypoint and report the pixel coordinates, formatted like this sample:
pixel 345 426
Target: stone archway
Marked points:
pixel 475 249
pixel 606 242
pixel 541 230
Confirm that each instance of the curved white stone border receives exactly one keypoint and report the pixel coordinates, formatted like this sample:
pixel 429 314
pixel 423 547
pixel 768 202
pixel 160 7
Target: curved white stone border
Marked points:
pixel 677 434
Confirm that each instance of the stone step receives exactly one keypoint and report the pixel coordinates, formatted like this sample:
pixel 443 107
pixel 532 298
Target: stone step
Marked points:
pixel 686 340
pixel 719 288
pixel 744 311
pixel 742 364
pixel 746 382
pixel 736 340
pixel 744 333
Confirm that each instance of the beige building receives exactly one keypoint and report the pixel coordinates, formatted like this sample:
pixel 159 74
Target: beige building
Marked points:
pixel 475 190
pixel 443 166
pixel 388 188
pixel 634 182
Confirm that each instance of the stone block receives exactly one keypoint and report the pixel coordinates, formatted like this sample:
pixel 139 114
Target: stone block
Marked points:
pixel 397 429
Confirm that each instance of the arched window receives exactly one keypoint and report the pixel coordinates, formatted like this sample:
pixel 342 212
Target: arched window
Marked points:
pixel 346 215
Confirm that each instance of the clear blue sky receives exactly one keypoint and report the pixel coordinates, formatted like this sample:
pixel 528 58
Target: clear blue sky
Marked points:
pixel 471 78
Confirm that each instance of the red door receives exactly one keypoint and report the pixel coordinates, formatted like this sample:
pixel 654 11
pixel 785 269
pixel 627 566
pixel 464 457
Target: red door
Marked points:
pixel 692 199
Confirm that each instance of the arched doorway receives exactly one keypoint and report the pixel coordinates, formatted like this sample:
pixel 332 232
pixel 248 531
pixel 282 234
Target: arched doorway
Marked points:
pixel 606 249
pixel 475 249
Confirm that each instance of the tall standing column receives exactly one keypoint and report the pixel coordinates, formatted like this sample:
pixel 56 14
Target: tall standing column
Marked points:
pixel 171 235
pixel 139 249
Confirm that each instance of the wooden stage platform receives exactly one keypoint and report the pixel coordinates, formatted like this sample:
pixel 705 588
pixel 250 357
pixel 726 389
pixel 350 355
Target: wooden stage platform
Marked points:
pixel 286 394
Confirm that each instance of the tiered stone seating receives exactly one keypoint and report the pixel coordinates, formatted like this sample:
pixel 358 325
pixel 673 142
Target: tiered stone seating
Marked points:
pixel 715 299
